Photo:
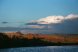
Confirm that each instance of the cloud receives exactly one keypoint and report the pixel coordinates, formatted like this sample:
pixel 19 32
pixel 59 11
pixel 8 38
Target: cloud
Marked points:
pixel 55 24
pixel 35 26
pixel 51 19
pixel 71 17
pixel 55 19
pixel 4 22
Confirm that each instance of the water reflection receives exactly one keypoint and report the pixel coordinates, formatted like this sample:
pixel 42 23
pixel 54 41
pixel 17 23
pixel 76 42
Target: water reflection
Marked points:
pixel 43 49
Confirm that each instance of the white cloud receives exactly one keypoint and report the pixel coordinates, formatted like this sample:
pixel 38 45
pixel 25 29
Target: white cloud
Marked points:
pixel 55 24
pixel 56 19
pixel 51 19
pixel 71 16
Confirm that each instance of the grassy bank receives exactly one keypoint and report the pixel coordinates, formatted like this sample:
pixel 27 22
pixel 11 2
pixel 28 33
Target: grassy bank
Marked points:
pixel 17 39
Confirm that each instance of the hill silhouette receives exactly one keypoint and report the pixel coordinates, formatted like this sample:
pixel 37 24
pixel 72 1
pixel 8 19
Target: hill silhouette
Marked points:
pixel 17 39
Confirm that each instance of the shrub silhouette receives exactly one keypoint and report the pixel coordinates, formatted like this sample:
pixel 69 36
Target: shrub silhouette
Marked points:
pixel 6 41
pixel 15 41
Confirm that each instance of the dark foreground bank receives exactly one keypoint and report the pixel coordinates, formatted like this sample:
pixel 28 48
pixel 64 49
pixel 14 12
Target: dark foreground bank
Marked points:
pixel 17 39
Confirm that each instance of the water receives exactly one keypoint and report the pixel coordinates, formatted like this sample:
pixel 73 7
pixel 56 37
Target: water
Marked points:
pixel 43 49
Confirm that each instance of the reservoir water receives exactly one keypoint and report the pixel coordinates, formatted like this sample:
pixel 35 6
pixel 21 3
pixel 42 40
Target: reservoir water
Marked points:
pixel 43 49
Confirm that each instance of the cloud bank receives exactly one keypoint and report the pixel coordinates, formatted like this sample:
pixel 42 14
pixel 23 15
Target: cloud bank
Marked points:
pixel 55 24
pixel 56 19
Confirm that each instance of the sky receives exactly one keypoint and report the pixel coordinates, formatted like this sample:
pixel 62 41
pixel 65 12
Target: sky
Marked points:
pixel 17 13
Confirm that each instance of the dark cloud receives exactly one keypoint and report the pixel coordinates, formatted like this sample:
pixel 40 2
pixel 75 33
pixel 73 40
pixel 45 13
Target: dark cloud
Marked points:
pixel 68 25
pixel 4 22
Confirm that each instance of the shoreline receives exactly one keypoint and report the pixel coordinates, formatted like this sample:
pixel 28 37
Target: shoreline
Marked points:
pixel 17 39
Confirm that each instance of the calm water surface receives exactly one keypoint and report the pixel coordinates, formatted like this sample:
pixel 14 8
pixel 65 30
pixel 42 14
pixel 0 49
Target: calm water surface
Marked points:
pixel 43 49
